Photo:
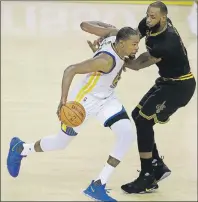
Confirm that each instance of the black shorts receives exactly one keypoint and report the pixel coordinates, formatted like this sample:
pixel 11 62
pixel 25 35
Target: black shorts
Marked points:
pixel 165 98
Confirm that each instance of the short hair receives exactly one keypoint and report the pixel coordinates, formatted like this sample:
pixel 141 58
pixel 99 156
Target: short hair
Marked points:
pixel 161 5
pixel 125 33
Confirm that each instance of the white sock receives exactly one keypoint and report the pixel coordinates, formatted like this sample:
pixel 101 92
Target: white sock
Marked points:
pixel 124 139
pixel 28 148
pixel 106 173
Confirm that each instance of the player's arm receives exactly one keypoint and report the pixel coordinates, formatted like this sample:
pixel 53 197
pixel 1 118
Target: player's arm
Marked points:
pixel 142 28
pixel 143 61
pixel 97 28
pixel 101 63
pixel 141 36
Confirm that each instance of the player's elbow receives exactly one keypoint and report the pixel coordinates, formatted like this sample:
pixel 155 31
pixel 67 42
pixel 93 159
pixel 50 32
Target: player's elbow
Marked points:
pixel 83 26
pixel 70 70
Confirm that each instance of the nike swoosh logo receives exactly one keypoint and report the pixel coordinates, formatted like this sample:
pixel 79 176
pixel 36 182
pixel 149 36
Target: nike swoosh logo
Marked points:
pixel 15 145
pixel 92 189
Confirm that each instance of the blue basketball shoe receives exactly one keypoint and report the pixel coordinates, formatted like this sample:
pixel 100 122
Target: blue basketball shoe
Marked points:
pixel 14 156
pixel 97 192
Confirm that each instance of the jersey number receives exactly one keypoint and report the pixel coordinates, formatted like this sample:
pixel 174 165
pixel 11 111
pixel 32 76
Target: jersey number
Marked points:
pixel 116 79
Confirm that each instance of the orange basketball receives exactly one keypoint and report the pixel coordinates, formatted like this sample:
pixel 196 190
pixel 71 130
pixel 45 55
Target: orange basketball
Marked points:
pixel 72 114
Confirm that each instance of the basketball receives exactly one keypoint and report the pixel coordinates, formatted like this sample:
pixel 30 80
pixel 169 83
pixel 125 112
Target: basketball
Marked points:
pixel 72 114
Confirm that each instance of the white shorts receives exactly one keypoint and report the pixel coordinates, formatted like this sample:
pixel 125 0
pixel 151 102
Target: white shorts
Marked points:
pixel 102 109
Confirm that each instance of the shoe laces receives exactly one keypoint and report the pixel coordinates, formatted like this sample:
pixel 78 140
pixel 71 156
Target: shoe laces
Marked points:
pixel 107 190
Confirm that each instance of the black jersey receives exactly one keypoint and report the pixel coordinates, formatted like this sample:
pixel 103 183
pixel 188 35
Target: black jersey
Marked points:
pixel 168 46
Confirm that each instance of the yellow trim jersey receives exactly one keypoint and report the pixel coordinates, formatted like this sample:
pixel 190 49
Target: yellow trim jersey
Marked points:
pixel 100 84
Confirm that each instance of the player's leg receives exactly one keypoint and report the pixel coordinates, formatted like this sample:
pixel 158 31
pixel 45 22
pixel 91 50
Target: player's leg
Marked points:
pixel 114 116
pixel 161 170
pixel 19 149
pixel 185 91
pixel 179 93
pixel 158 108
pixel 135 112
pixel 144 122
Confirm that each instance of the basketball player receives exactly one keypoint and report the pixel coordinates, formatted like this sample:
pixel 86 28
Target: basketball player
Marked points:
pixel 172 90
pixel 96 94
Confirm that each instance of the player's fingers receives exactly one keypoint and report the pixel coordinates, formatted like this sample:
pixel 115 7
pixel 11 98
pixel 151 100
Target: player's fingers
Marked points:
pixel 95 43
pixel 90 43
pixel 100 39
pixel 59 109
pixel 159 59
pixel 58 114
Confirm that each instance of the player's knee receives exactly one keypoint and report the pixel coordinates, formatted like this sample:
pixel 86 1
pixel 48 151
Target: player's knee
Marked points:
pixel 145 134
pixel 143 122
pixel 117 117
pixel 124 131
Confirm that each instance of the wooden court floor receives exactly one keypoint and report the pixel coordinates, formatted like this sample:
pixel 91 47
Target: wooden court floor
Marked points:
pixel 39 39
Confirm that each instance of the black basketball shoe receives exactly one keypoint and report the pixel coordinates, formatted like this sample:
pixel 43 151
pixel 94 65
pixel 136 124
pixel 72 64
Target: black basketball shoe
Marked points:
pixel 145 183
pixel 161 171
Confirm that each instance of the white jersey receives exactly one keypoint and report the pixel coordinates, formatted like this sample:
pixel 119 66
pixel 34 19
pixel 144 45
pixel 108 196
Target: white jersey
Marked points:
pixel 95 91
pixel 102 84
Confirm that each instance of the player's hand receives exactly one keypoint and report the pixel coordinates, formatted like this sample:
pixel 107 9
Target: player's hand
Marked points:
pixel 156 60
pixel 62 103
pixel 127 61
pixel 94 46
pixel 98 41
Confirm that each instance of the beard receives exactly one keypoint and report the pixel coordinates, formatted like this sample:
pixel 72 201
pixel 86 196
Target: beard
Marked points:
pixel 155 28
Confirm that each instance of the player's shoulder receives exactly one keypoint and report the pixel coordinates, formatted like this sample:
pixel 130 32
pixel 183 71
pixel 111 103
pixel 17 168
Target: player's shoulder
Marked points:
pixel 143 21
pixel 172 37
pixel 105 56
pixel 171 31
pixel 142 24
pixel 142 27
pixel 108 40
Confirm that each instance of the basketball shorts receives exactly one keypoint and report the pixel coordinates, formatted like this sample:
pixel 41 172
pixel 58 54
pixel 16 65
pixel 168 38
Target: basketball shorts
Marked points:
pixel 107 111
pixel 166 97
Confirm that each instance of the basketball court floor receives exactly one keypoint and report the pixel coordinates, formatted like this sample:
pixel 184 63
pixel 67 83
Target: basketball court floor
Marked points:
pixel 39 40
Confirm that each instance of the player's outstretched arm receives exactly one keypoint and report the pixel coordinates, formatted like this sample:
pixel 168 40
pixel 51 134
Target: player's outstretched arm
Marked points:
pixel 97 28
pixel 101 63
pixel 143 61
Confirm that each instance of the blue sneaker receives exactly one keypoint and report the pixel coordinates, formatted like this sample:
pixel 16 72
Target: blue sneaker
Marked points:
pixel 14 156
pixel 97 192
